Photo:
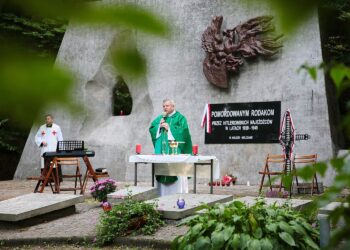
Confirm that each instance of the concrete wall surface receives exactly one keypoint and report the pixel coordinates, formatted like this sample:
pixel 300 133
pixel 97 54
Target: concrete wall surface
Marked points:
pixel 175 71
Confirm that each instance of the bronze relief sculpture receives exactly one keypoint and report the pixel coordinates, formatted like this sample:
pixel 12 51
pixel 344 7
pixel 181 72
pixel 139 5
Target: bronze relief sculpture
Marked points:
pixel 225 52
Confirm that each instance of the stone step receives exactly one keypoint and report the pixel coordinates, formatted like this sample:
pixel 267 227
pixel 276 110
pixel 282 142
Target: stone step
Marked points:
pixel 168 208
pixel 251 200
pixel 34 204
pixel 136 192
pixel 305 188
pixel 297 204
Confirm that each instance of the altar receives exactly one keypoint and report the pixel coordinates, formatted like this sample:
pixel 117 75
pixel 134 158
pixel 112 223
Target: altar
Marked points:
pixel 179 165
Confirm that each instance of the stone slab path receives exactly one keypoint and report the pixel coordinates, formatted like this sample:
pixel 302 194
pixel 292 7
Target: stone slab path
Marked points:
pixel 34 204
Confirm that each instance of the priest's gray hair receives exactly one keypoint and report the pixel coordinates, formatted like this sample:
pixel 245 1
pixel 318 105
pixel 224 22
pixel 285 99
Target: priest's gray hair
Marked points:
pixel 172 102
pixel 49 115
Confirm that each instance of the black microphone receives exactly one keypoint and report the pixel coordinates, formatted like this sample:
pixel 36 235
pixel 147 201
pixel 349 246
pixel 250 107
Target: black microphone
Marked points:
pixel 165 115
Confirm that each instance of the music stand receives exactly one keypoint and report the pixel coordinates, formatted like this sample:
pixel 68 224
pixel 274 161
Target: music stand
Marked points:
pixel 69 146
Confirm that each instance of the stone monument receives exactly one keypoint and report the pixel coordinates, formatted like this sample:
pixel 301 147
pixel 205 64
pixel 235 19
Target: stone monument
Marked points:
pixel 175 71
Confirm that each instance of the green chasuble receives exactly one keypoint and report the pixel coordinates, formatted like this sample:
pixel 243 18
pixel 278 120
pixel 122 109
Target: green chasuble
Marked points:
pixel 179 129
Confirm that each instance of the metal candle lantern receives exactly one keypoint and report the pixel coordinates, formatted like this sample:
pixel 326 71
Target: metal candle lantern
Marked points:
pixel 181 203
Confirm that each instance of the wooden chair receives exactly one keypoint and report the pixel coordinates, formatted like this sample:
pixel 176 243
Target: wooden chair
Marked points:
pixel 71 162
pixel 303 160
pixel 40 180
pixel 270 164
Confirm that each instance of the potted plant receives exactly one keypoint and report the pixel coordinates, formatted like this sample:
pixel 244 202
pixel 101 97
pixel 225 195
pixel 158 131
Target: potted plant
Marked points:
pixel 103 187
pixel 106 206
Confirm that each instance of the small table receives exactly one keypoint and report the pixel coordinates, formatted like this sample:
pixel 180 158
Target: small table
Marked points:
pixel 196 160
pixel 49 175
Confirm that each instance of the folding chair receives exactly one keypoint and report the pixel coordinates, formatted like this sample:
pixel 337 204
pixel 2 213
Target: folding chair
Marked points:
pixel 40 180
pixel 270 163
pixel 304 160
pixel 89 175
pixel 71 162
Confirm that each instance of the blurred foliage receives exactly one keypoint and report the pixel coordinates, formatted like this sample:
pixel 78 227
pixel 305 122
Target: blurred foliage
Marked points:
pixel 289 14
pixel 340 75
pixel 122 101
pixel 338 70
pixel 126 57
pixel 44 36
pixel 30 85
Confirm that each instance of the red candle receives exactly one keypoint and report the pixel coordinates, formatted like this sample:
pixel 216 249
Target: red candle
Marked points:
pixel 195 149
pixel 138 148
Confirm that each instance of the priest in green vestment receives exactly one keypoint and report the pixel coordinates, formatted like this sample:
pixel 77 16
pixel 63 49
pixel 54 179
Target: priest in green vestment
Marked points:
pixel 171 125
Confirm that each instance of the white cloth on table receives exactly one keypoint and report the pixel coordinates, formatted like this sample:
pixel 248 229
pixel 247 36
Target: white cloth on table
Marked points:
pixel 180 166
pixel 178 187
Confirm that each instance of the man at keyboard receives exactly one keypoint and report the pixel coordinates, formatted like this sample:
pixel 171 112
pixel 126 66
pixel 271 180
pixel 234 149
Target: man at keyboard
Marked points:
pixel 47 137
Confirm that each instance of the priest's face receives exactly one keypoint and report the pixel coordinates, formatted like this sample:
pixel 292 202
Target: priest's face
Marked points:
pixel 168 107
pixel 49 120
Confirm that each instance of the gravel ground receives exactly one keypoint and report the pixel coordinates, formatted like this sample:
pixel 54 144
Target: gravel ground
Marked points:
pixel 80 226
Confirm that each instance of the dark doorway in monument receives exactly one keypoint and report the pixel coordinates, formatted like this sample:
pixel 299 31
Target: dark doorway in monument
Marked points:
pixel 121 98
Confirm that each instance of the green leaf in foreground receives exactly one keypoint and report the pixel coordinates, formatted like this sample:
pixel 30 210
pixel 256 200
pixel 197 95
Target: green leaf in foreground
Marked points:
pixel 287 238
pixel 28 86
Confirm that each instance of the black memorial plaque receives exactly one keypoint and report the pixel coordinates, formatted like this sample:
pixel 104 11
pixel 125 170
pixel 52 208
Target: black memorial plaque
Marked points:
pixel 254 122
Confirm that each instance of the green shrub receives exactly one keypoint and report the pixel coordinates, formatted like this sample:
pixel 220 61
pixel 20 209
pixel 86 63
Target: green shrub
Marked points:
pixel 237 226
pixel 131 217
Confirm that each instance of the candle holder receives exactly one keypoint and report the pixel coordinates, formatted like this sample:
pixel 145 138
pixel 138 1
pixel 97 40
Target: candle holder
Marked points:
pixel 181 203
pixel 195 149
pixel 138 149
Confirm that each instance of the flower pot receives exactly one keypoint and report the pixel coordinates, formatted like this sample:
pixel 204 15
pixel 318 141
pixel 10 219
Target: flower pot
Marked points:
pixel 106 209
pixel 106 206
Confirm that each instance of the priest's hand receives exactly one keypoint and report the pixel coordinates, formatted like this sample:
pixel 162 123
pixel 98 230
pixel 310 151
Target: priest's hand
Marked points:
pixel 165 126
pixel 44 143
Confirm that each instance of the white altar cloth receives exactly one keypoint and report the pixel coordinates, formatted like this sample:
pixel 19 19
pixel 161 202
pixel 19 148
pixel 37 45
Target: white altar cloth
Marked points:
pixel 180 165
